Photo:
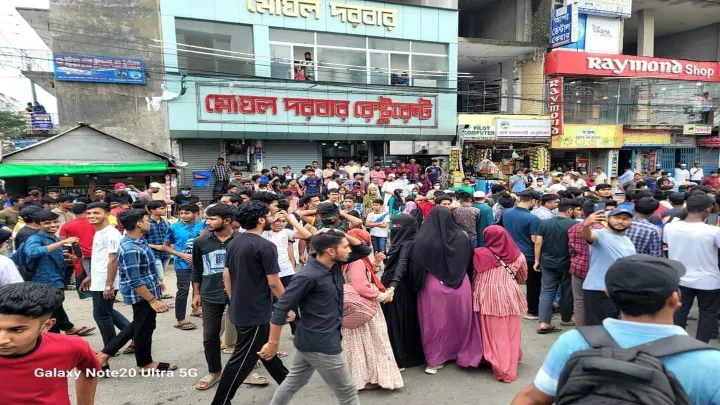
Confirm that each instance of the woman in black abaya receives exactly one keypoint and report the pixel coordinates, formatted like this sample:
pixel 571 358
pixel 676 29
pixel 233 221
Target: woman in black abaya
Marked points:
pixel 401 314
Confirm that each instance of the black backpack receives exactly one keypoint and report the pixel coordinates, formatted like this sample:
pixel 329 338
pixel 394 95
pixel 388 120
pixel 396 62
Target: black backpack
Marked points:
pixel 608 374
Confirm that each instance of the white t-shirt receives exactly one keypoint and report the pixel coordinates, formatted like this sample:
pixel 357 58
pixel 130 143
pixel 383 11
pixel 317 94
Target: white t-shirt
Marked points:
pixel 696 174
pixel 105 242
pixel 681 176
pixel 695 244
pixel 333 185
pixel 376 230
pixel 281 240
pixel 556 187
pixel 9 273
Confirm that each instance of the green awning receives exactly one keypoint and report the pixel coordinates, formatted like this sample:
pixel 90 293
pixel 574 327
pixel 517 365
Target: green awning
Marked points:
pixel 28 170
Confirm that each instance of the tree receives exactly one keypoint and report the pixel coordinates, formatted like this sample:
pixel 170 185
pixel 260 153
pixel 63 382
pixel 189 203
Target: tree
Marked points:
pixel 12 126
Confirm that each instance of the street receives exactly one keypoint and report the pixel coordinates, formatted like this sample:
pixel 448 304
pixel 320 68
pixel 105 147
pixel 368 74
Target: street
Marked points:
pixel 452 384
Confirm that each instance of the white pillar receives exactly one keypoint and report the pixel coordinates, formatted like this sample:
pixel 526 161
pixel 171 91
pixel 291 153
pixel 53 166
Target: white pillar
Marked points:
pixel 646 32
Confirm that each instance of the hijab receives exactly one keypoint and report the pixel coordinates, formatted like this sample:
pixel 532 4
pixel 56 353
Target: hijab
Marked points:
pixel 497 243
pixel 397 200
pixel 402 234
pixel 372 194
pixel 442 248
pixel 412 209
pixel 364 236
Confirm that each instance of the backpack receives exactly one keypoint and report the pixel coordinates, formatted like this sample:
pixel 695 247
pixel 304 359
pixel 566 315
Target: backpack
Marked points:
pixel 608 374
pixel 26 268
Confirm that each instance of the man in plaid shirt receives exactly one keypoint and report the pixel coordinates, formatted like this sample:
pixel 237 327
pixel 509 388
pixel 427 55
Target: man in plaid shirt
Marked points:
pixel 141 289
pixel 579 263
pixel 155 237
pixel 646 237
pixel 221 171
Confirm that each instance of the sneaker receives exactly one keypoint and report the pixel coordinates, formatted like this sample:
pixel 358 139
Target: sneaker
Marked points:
pixel 432 370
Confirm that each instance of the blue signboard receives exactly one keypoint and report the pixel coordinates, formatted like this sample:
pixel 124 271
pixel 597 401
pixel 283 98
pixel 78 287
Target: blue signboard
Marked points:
pixel 24 143
pixel 579 44
pixel 99 69
pixel 564 26
pixel 41 122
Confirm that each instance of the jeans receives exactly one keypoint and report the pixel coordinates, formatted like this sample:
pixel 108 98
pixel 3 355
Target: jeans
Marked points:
pixel 333 369
pixel 551 279
pixel 378 243
pixel 106 317
pixel 160 266
pixel 140 330
pixel 578 300
pixel 598 306
pixel 181 298
pixel 533 287
pixel 242 362
pixel 293 325
pixel 212 321
pixel 62 322
pixel 709 306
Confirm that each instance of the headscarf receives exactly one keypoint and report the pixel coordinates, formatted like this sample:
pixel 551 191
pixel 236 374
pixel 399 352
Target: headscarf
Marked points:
pixel 397 199
pixel 410 206
pixel 442 248
pixel 402 234
pixel 364 236
pixel 412 209
pixel 372 194
pixel 497 243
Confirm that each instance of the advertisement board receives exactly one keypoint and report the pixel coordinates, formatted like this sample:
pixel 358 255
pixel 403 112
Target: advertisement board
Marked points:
pixel 522 129
pixel 634 137
pixel 477 132
pixel 555 105
pixel 98 69
pixel 615 8
pixel 41 122
pixel 696 129
pixel 602 34
pixel 578 136
pixel 564 27
pixel 709 142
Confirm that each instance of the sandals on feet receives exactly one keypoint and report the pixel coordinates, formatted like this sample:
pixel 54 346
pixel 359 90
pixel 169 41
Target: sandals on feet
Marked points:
pixel 256 379
pixel 552 329
pixel 206 382
pixel 129 350
pixel 228 350
pixel 185 326
pixel 83 331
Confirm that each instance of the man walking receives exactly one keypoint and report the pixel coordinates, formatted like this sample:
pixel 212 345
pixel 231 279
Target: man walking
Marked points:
pixel 155 238
pixel 579 251
pixel 250 275
pixel 695 244
pixel 315 290
pixel 552 259
pixel 221 171
pixel 80 227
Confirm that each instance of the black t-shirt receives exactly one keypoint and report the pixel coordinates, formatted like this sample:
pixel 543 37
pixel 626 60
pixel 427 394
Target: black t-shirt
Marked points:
pixel 23 235
pixel 250 259
pixel 555 253
pixel 117 198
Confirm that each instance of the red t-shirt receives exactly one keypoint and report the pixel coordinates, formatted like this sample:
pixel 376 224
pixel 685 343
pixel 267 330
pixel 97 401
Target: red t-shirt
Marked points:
pixel 425 208
pixel 56 354
pixel 713 182
pixel 81 228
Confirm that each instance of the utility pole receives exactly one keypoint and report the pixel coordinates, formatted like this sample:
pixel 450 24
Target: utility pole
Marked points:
pixel 32 84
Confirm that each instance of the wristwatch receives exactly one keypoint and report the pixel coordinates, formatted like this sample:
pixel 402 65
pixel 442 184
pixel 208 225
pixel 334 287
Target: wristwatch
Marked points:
pixel 108 287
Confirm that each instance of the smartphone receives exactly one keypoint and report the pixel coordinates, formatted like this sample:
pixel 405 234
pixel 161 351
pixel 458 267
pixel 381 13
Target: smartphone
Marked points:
pixel 599 207
pixel 712 219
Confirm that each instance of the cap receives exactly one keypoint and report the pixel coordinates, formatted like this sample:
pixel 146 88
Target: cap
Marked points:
pixel 120 186
pixel 479 194
pixel 155 185
pixel 618 211
pixel 327 210
pixel 643 280
pixel 28 211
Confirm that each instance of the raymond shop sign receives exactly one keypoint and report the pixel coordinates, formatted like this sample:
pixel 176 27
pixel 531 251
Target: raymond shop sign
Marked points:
pixel 598 64
pixel 564 27
pixel 287 107
pixel 555 104
pixel 709 142
pixel 522 129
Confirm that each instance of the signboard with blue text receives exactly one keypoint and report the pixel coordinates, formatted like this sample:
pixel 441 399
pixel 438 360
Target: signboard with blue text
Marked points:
pixel 41 122
pixel 609 8
pixel 564 27
pixel 99 69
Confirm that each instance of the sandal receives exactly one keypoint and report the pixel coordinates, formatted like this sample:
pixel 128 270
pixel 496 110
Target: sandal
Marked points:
pixel 196 314
pixel 228 350
pixel 258 365
pixel 185 326
pixel 161 367
pixel 256 379
pixel 570 323
pixel 84 331
pixel 129 350
pixel 531 317
pixel 208 381
pixel 166 296
pixel 552 329
pixel 282 355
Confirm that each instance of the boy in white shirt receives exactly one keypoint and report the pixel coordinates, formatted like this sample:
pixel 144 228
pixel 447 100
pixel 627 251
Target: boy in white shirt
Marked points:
pixel 9 273
pixel 378 221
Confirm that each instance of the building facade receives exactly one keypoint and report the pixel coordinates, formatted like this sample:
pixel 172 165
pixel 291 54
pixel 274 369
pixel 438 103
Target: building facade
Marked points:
pixel 270 85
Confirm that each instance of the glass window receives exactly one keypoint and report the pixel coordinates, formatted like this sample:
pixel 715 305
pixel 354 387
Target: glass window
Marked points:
pixel 429 71
pixel 428 47
pixel 389 44
pixel 379 73
pixel 341 65
pixel 196 38
pixel 280 62
pixel 294 36
pixel 346 41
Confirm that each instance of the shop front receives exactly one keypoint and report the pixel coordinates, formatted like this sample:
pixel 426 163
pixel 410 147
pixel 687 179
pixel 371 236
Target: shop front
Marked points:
pixel 643 149
pixel 295 86
pixel 498 145
pixel 582 148
pixel 709 153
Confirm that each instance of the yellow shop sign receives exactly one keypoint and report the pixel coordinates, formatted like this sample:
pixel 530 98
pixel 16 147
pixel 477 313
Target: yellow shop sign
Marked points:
pixel 578 136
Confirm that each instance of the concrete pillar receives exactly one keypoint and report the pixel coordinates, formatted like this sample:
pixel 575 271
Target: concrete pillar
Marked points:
pixel 646 32
pixel 523 20
pixel 508 100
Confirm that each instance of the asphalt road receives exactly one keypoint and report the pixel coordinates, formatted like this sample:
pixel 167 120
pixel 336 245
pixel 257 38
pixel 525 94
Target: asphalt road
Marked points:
pixel 452 384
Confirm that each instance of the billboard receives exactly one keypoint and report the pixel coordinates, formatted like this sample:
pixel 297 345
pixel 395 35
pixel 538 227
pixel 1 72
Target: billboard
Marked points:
pixel 564 27
pixel 41 122
pixel 98 69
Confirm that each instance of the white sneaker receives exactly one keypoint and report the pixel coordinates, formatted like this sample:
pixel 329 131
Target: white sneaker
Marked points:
pixel 432 370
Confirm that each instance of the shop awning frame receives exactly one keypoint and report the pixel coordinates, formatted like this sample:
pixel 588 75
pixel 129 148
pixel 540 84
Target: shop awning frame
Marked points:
pixel 8 170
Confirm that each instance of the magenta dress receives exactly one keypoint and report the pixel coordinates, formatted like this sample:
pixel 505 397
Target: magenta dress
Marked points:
pixel 449 328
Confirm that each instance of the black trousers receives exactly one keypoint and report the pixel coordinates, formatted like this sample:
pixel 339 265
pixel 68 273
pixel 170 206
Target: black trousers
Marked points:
pixel 709 306
pixel 140 330
pixel 212 323
pixel 62 322
pixel 250 340
pixel 598 306
pixel 293 325
pixel 181 298
pixel 533 287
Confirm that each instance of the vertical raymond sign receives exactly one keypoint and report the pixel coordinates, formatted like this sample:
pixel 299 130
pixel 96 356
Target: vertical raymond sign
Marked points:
pixel 555 105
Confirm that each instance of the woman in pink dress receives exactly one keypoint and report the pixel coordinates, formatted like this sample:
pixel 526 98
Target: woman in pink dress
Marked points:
pixel 500 268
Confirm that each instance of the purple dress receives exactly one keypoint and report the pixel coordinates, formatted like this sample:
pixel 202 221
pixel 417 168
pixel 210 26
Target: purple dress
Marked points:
pixel 448 327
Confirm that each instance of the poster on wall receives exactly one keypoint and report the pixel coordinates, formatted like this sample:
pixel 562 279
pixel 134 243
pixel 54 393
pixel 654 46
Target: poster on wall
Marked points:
pixel 602 34
pixel 555 105
pixel 98 69
pixel 577 136
pixel 564 27
pixel 615 8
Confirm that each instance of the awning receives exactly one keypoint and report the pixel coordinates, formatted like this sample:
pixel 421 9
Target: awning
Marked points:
pixel 28 170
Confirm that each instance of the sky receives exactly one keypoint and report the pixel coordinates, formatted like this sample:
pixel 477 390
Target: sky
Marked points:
pixel 17 37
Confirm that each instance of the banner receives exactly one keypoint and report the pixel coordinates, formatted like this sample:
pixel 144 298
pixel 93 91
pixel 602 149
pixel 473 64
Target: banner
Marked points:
pixel 604 65
pixel 41 122
pixel 477 132
pixel 564 27
pixel 577 136
pixel 710 141
pixel 695 129
pixel 614 8
pixel 555 105
pixel 632 137
pixel 602 34
pixel 99 69
pixel 522 129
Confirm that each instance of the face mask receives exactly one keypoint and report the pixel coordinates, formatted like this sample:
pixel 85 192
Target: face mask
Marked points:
pixel 414 193
pixel 185 192
pixel 436 187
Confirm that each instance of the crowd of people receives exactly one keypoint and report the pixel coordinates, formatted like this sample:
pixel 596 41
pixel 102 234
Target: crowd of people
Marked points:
pixel 375 269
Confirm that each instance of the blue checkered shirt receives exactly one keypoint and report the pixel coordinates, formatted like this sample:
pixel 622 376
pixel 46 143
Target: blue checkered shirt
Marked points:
pixel 646 237
pixel 136 267
pixel 156 236
pixel 221 172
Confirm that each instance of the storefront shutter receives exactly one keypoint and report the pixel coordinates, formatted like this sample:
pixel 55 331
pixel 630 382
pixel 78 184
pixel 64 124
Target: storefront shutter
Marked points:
pixel 288 153
pixel 708 158
pixel 532 86
pixel 200 154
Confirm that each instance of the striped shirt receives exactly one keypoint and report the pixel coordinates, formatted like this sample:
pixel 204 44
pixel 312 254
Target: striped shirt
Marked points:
pixel 496 293
pixel 221 172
